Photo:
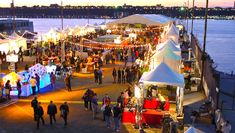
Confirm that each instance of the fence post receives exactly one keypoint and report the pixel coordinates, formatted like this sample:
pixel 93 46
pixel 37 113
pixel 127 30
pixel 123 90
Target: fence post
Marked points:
pixel 233 100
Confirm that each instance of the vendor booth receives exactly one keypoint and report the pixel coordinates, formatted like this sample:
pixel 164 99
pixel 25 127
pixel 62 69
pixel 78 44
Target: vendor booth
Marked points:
pixel 172 33
pixel 13 43
pixel 171 45
pixel 25 77
pixel 167 56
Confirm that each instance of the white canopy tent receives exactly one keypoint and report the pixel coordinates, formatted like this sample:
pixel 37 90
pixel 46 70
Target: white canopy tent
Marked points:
pixel 172 33
pixel 171 45
pixel 13 43
pixel 193 130
pixel 145 19
pixel 167 56
pixel 164 75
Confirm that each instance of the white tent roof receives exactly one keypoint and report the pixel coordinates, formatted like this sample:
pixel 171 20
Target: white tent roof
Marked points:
pixel 173 31
pixel 166 53
pixel 15 36
pixel 163 75
pixel 193 130
pixel 169 43
pixel 147 19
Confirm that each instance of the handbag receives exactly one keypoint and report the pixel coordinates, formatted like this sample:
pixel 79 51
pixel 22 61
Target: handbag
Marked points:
pixel 103 107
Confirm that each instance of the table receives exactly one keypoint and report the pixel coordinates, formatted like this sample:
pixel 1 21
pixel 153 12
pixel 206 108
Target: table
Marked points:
pixel 128 117
pixel 152 103
pixel 152 117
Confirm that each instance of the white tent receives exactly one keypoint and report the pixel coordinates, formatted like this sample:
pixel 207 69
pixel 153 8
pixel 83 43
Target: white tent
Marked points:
pixel 167 56
pixel 171 45
pixel 145 19
pixel 172 33
pixel 13 43
pixel 193 130
pixel 163 75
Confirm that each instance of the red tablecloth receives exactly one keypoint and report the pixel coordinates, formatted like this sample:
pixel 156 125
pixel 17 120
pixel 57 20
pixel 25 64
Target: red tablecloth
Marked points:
pixel 128 117
pixel 152 117
pixel 151 104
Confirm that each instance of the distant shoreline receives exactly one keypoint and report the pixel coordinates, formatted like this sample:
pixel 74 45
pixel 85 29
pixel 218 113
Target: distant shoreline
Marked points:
pixel 201 18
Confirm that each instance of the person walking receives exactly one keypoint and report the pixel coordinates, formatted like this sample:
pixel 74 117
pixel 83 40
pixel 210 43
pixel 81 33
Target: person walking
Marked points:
pixel 33 83
pixel 105 101
pixel 52 78
pixel 39 115
pixel 85 98
pixel 114 74
pixel 108 114
pixel 64 109
pixel 123 75
pixel 34 104
pixel 67 81
pixel 90 96
pixel 119 75
pixel 96 75
pixel 100 75
pixel 38 81
pixel 117 116
pixel 18 87
pixel 8 89
pixel 94 104
pixel 52 111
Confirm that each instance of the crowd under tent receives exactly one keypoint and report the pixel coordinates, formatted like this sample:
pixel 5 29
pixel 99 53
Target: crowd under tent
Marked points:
pixel 144 19
pixel 167 56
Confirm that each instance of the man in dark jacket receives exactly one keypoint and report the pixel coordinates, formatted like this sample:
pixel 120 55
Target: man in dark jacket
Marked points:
pixel 38 81
pixel 64 108
pixel 39 115
pixel 34 105
pixel 52 111
pixel 119 75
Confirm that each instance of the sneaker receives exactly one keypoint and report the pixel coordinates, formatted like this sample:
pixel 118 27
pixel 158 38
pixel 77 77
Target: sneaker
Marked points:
pixel 117 130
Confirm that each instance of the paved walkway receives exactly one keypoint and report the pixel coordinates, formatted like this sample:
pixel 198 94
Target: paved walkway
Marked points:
pixel 18 117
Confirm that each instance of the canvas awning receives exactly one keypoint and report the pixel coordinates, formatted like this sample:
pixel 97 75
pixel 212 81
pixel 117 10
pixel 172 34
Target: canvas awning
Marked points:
pixel 145 19
pixel 163 75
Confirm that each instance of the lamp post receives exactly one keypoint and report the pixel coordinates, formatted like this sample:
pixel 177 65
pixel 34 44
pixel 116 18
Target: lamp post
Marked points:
pixel 204 44
pixel 13 15
pixel 62 16
pixel 192 16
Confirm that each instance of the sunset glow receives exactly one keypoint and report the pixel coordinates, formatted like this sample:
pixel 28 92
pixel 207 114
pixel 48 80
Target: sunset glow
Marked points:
pixel 199 3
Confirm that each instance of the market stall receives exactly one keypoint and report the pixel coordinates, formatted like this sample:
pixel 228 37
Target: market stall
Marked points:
pixel 163 76
pixel 27 75
pixel 169 57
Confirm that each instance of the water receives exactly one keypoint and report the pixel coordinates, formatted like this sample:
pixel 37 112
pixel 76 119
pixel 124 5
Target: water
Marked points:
pixel 220 37
pixel 220 42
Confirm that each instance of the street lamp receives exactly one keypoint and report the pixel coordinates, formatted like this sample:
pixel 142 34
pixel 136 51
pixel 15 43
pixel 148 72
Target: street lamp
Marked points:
pixel 204 44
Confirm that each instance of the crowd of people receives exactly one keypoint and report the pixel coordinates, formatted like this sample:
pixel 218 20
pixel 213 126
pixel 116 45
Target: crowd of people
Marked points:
pixel 111 114
pixel 51 111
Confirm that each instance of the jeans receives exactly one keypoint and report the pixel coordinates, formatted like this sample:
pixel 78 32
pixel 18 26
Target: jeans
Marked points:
pixel 94 109
pixel 108 120
pixel 38 121
pixel 52 116
pixel 116 123
pixel 34 90
pixel 86 104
